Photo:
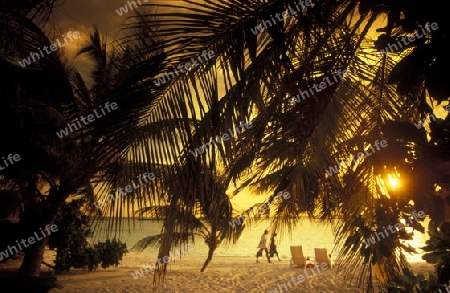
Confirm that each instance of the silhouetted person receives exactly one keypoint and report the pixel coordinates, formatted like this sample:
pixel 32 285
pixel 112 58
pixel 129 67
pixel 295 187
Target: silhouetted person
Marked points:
pixel 263 246
pixel 273 247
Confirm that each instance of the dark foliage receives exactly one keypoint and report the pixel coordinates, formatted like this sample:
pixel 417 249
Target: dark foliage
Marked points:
pixel 438 248
pixel 73 248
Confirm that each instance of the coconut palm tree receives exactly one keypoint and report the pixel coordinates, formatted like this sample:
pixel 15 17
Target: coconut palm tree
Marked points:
pixel 258 74
pixel 42 98
pixel 252 77
pixel 291 146
pixel 32 108
pixel 211 224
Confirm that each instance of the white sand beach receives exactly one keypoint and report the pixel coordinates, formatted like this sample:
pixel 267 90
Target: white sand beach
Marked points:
pixel 233 269
pixel 224 274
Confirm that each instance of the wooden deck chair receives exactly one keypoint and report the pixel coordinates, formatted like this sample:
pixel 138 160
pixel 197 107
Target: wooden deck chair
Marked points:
pixel 321 256
pixel 298 259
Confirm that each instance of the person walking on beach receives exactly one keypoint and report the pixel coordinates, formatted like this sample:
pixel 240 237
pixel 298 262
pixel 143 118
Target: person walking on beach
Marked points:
pixel 273 247
pixel 263 246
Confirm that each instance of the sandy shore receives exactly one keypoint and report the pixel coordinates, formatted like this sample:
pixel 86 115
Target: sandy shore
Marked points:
pixel 224 274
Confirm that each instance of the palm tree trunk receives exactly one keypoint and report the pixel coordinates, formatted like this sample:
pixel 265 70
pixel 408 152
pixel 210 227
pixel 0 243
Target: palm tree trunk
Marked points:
pixel 31 265
pixel 208 259
pixel 212 245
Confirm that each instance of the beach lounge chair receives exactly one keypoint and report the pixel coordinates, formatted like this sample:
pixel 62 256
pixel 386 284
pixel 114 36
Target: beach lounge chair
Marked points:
pixel 298 259
pixel 322 256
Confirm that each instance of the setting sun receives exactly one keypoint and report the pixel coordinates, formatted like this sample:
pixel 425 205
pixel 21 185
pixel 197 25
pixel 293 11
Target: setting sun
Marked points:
pixel 393 181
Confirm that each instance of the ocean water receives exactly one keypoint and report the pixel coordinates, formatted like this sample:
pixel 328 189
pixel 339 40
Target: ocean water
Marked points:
pixel 309 234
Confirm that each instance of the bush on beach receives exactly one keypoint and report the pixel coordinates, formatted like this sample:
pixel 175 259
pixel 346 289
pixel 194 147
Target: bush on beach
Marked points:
pixel 72 246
